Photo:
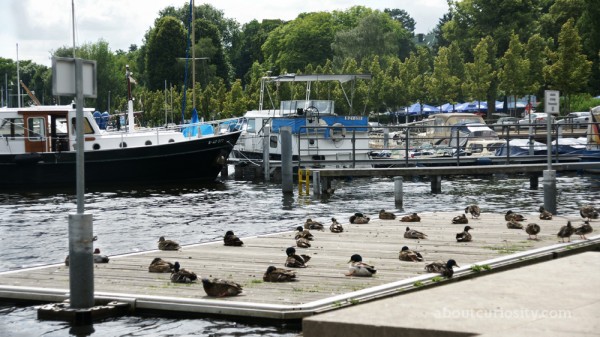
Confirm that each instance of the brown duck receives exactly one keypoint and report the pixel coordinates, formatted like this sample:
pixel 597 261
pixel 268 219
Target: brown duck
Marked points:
pixel 409 255
pixel 566 231
pixel 359 219
pixel 274 274
pixel 544 214
pixel 294 260
pixel 336 227
pixel 231 239
pixel 386 215
pixel 532 229
pixel 411 218
pixel 460 219
pixel 167 244
pixel 464 236
pixel 474 210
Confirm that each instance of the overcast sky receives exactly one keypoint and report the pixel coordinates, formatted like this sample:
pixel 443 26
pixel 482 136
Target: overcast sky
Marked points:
pixel 41 26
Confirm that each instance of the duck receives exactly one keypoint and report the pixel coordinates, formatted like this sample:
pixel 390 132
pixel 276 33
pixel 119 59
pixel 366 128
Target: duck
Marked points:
pixel 167 244
pixel 414 234
pixel 443 268
pixel 532 229
pixel 411 218
pixel 513 224
pixel 512 215
pixel 358 268
pixel 99 258
pixel 460 219
pixel 294 260
pixel 231 239
pixel 302 243
pixel 544 214
pixel 180 275
pixel 474 210
pixel 336 227
pixel 304 234
pixel 588 212
pixel 159 265
pixel 566 231
pixel 359 219
pixel 464 236
pixel 584 229
pixel 311 224
pixel 409 255
pixel 386 215
pixel 274 274
pixel 220 288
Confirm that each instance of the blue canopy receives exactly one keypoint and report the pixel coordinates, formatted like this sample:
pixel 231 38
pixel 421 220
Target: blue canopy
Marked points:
pixel 192 129
pixel 448 107
pixel 415 109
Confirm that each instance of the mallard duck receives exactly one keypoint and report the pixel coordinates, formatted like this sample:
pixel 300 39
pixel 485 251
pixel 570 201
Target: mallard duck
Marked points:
pixel 359 218
pixel 294 260
pixel 99 258
pixel 303 234
pixel 443 268
pixel 460 219
pixel 274 274
pixel 336 227
pixel 473 210
pixel 302 243
pixel 386 215
pixel 358 268
pixel 167 244
pixel 584 229
pixel 464 236
pixel 220 288
pixel 510 215
pixel 180 275
pixel 566 231
pixel 411 218
pixel 513 224
pixel 231 239
pixel 159 265
pixel 311 224
pixel 410 255
pixel 532 229
pixel 544 214
pixel 414 234
pixel 588 212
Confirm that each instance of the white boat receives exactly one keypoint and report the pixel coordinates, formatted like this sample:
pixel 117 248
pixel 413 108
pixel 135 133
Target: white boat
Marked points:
pixel 318 133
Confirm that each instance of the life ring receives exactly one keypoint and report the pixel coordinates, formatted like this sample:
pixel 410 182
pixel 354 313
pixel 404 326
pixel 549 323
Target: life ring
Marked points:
pixel 337 132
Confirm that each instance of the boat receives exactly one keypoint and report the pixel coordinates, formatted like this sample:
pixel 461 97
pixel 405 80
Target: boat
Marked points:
pixel 318 133
pixel 37 149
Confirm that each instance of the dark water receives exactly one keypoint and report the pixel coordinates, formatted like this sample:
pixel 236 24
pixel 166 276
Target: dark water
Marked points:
pixel 33 229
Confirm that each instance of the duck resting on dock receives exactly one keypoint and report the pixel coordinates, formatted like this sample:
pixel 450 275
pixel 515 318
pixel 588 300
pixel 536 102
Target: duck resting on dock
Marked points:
pixel 460 219
pixel 532 229
pixel 311 224
pixel 336 227
pixel 566 231
pixel 98 258
pixel 544 214
pixel 167 244
pixel 584 229
pixel 409 255
pixel 411 218
pixel 159 265
pixel 383 215
pixel 510 215
pixel 588 212
pixel 443 268
pixel 274 274
pixel 358 268
pixel 359 219
pixel 473 210
pixel 414 234
pixel 513 224
pixel 220 288
pixel 464 236
pixel 180 275
pixel 302 243
pixel 303 234
pixel 294 260
pixel 231 239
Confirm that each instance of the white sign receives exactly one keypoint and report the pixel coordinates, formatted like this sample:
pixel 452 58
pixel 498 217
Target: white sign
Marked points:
pixel 63 77
pixel 551 101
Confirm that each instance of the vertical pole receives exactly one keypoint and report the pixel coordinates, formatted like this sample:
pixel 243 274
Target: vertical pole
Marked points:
pixel 406 140
pixel 353 148
pixel 550 191
pixel 533 181
pixel 316 183
pixel 18 80
pixel 398 191
pixel 266 159
pixel 386 138
pixel 436 184
pixel 287 182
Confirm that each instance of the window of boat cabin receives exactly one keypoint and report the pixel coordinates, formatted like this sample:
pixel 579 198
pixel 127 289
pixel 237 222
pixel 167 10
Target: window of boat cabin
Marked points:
pixel 11 127
pixel 251 127
pixel 87 128
pixel 36 128
pixel 273 142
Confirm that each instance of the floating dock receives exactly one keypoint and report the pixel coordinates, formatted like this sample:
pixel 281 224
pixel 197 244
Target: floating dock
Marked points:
pixel 322 286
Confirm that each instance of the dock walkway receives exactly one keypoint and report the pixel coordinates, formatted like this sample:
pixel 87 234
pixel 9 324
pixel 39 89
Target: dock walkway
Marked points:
pixel 320 287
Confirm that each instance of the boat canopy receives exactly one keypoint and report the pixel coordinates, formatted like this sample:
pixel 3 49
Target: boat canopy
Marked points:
pixel 324 125
pixel 343 78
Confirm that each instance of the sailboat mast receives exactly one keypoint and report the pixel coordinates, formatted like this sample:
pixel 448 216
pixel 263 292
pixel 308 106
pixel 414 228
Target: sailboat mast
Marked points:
pixel 193 60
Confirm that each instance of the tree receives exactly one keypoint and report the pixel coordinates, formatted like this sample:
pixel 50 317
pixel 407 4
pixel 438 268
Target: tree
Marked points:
pixel 166 43
pixel 479 73
pixel 569 69
pixel 534 52
pixel 442 84
pixel 513 74
pixel 403 17
pixel 416 72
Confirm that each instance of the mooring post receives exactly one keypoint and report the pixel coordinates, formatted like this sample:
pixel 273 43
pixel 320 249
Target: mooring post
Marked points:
pixel 81 261
pixel 386 138
pixel 287 179
pixel 533 181
pixel 398 191
pixel 266 162
pixel 550 191
pixel 316 176
pixel 436 184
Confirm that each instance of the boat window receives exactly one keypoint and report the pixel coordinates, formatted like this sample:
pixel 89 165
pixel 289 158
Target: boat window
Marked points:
pixel 476 148
pixel 11 127
pixel 251 125
pixel 273 141
pixel 87 128
pixel 36 128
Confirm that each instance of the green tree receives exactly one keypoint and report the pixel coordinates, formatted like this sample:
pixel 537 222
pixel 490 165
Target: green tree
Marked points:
pixel 235 102
pixel 417 71
pixel 166 43
pixel 534 51
pixel 442 84
pixel 403 17
pixel 479 73
pixel 513 74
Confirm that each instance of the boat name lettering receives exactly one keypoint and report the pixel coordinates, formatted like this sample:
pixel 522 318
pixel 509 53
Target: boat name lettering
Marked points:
pixel 216 141
pixel 353 118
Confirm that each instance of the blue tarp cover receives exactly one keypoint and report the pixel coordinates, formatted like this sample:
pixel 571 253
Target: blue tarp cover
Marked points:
pixel 358 123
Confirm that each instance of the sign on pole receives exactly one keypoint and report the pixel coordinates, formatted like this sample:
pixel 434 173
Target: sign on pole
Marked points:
pixel 63 77
pixel 551 101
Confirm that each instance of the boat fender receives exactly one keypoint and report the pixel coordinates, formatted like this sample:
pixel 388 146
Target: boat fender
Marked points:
pixel 337 132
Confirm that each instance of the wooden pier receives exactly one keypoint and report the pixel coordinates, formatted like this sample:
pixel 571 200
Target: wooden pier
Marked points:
pixel 320 287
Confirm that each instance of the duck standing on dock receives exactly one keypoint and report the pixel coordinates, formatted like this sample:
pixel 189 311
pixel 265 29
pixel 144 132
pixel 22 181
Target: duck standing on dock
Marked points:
pixel 460 219
pixel 584 229
pixel 303 234
pixel 274 274
pixel 311 224
pixel 359 219
pixel 336 227
pixel 566 231
pixel 231 239
pixel 443 268
pixel 167 244
pixel 294 260
pixel 532 229
pixel 220 288
pixel 180 275
pixel 358 268
pixel 411 218
pixel 159 265
pixel 544 214
pixel 474 210
pixel 588 212
pixel 510 215
pixel 383 215
pixel 464 236
pixel 513 224
pixel 414 234
pixel 409 255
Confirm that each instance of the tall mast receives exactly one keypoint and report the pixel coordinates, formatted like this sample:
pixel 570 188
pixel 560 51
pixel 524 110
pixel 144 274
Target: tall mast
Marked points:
pixel 193 60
